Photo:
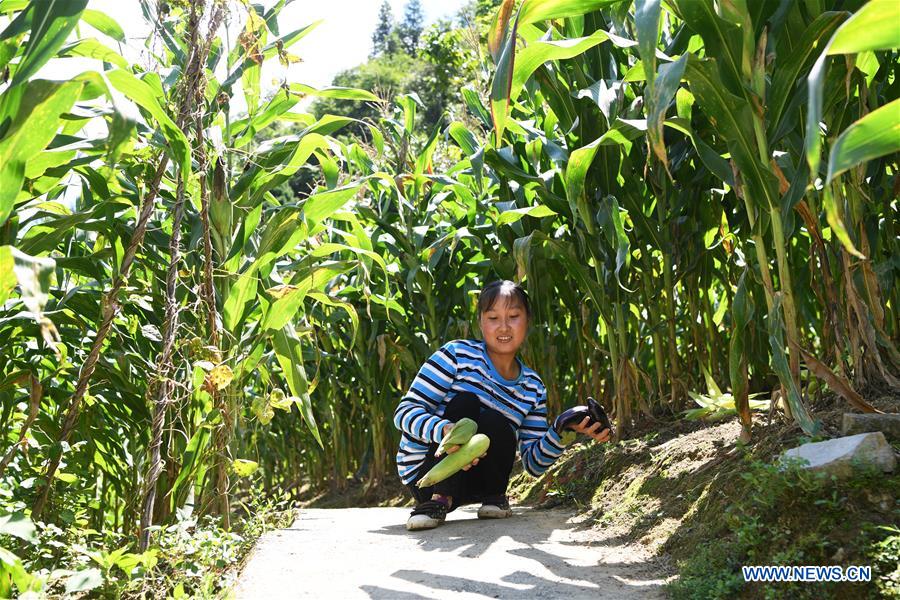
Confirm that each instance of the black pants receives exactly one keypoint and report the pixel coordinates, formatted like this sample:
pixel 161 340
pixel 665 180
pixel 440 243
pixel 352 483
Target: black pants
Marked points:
pixel 490 476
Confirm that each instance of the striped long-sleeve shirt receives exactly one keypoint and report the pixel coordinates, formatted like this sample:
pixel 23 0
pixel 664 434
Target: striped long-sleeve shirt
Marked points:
pixel 464 366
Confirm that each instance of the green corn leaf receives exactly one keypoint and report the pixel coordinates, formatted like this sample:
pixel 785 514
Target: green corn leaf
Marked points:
pixel 872 27
pixel 409 102
pixel 290 357
pixel 7 6
pixel 336 92
pixel 423 161
pixel 32 127
pixel 191 462
pixel 536 54
pixel 34 275
pixel 511 216
pixel 876 134
pixel 7 273
pixel 522 253
pixel 324 204
pixel 501 86
pixel 91 48
pixel 722 40
pixel 463 137
pixel 11 36
pixel 476 106
pixel 713 161
pixel 276 166
pixel 646 21
pixel 801 56
pixel 324 298
pixel 661 95
pixel 781 368
pixel 832 215
pixel 8 50
pixel 610 208
pixel 584 279
pixel 239 295
pixel 541 10
pixel 52 22
pixel 142 94
pixel 580 161
pixel 288 305
pixel 329 248
pixel 283 232
pixel 103 23
pixel 733 118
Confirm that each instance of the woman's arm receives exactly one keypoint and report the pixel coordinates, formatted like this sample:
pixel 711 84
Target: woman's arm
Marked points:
pixel 416 414
pixel 539 444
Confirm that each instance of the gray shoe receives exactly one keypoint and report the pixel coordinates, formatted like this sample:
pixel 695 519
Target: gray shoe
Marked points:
pixel 427 515
pixel 495 508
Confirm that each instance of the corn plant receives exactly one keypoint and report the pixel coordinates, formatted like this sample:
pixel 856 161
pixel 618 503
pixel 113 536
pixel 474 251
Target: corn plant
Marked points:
pixel 146 277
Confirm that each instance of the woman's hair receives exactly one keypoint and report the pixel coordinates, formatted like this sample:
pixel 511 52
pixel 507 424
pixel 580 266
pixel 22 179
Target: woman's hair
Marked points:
pixel 504 287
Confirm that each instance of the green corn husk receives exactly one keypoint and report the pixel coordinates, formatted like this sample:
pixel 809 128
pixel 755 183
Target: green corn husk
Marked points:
pixel 461 432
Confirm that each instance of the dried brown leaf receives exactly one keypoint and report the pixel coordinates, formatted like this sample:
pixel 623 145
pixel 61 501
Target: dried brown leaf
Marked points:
pixel 837 384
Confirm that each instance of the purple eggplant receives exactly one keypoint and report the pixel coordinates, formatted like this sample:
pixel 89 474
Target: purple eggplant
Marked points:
pixel 574 415
pixel 598 415
pixel 594 411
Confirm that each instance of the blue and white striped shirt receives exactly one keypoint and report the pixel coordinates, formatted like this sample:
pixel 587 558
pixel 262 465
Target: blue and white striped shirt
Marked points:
pixel 464 366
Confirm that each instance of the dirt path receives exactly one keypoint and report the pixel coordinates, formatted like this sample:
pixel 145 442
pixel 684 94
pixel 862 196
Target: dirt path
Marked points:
pixel 367 553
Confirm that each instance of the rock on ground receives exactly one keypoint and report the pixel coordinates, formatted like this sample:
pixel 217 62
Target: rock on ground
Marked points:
pixel 840 456
pixel 367 553
pixel 888 424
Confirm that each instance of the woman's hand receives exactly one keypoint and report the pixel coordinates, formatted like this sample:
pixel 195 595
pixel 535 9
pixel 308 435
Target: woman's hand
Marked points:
pixel 594 430
pixel 451 449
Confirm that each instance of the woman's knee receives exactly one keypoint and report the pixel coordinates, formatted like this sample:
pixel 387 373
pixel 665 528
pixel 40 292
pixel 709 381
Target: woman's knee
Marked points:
pixel 463 404
pixel 496 426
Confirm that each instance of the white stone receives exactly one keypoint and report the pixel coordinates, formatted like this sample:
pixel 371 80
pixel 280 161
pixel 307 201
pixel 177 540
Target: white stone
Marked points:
pixel 841 455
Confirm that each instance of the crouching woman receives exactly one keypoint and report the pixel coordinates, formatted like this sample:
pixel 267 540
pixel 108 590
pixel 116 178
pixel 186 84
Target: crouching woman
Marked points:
pixel 485 381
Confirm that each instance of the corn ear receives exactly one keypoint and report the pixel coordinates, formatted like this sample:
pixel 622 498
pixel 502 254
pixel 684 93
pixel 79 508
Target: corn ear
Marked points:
pixel 461 432
pixel 453 463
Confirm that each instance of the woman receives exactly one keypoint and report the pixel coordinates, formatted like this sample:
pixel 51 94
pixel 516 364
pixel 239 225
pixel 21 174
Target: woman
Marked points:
pixel 486 382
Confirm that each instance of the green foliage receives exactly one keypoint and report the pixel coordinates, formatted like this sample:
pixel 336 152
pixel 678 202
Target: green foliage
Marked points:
pixel 386 75
pixel 433 62
pixel 192 557
pixel 885 556
pixel 791 516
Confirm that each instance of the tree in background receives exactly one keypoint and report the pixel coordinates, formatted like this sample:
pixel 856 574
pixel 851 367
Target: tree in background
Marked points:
pixel 382 40
pixel 435 62
pixel 410 29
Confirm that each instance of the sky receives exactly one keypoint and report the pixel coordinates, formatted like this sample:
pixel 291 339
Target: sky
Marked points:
pixel 341 41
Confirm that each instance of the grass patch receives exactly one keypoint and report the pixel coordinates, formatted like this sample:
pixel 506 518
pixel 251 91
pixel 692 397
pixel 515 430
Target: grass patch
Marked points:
pixel 191 558
pixel 770 516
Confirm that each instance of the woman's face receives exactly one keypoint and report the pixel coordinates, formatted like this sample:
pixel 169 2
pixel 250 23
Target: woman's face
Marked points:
pixel 504 326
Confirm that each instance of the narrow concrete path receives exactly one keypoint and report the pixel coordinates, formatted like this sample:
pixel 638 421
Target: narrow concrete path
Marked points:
pixel 367 553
